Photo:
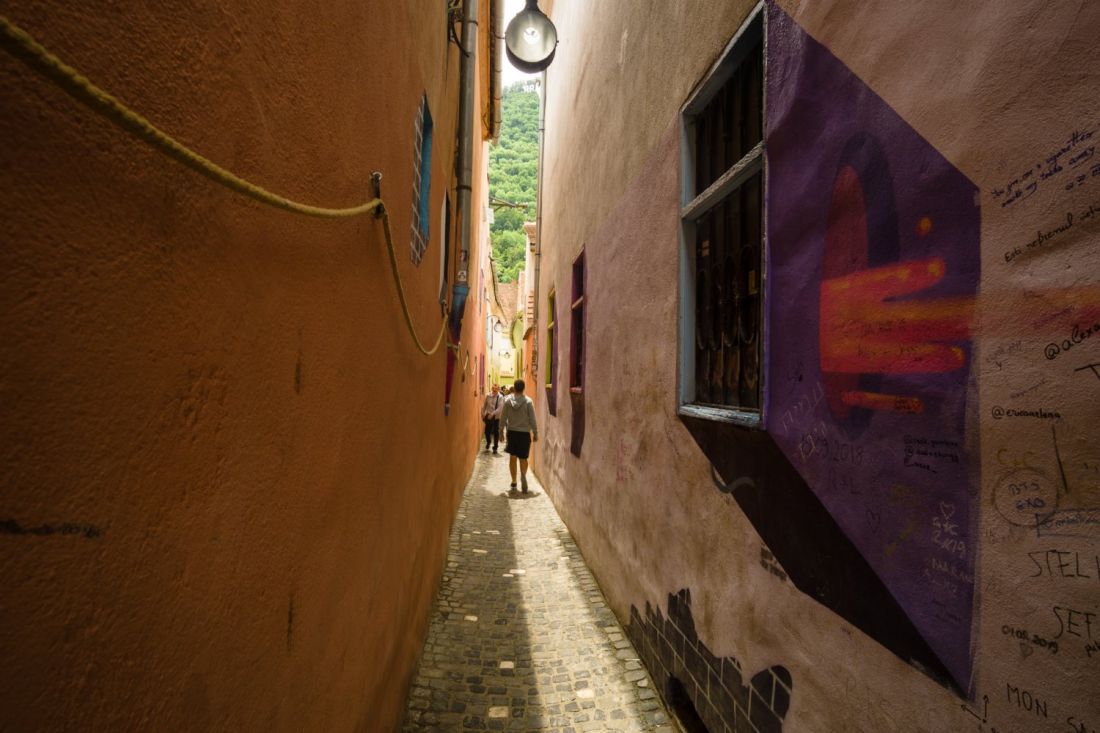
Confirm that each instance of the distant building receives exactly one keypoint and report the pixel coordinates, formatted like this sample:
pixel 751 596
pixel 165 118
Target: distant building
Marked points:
pixel 500 323
pixel 527 300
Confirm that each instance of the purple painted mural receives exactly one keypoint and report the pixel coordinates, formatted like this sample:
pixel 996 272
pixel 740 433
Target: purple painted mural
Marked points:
pixel 873 263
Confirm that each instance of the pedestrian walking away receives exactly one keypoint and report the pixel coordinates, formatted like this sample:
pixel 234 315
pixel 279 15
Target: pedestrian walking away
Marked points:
pixel 518 419
pixel 490 415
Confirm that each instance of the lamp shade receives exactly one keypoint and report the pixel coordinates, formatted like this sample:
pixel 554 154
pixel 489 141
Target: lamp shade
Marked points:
pixel 531 39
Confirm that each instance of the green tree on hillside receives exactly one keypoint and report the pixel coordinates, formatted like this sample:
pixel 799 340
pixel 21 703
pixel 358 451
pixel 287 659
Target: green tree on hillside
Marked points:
pixel 513 175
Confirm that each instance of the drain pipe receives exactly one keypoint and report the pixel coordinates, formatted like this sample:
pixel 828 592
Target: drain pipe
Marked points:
pixel 468 75
pixel 468 78
pixel 496 53
pixel 538 217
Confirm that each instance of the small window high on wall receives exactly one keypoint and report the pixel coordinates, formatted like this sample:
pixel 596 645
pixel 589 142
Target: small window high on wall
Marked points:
pixel 551 361
pixel 722 259
pixel 422 182
pixel 576 328
pixel 551 336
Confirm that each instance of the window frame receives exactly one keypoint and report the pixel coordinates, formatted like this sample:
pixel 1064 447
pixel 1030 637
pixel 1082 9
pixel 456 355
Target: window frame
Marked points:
pixel 422 182
pixel 577 313
pixel 551 333
pixel 695 204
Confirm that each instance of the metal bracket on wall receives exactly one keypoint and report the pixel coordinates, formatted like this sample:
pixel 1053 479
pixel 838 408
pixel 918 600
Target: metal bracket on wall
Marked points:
pixel 454 15
pixel 376 182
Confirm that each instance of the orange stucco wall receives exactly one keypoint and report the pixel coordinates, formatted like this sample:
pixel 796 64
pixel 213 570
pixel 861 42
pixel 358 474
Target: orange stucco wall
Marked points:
pixel 227 478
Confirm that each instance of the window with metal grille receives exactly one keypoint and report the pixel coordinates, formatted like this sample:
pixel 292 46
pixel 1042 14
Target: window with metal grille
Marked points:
pixel 722 218
pixel 422 181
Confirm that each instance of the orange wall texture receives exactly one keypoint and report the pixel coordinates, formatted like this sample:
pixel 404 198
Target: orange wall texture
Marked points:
pixel 227 474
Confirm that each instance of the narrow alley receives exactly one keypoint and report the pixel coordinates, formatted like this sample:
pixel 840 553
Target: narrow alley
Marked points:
pixel 794 304
pixel 521 637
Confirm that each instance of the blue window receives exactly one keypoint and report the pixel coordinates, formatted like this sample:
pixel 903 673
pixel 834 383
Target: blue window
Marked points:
pixel 422 182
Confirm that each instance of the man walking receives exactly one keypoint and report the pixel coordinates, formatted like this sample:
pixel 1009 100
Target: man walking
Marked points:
pixel 518 417
pixel 490 415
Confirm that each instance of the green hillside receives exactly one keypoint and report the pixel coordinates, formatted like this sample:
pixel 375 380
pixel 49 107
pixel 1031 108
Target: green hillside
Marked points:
pixel 513 175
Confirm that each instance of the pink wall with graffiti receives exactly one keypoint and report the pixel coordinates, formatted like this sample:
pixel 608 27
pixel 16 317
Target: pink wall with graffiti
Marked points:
pixel 931 374
pixel 873 239
pixel 909 539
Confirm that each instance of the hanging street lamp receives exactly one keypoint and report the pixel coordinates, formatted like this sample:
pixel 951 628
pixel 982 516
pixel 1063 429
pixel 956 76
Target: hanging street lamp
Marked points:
pixel 531 39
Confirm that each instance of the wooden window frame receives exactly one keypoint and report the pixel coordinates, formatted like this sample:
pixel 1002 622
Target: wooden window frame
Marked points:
pixel 696 204
pixel 551 328
pixel 422 182
pixel 577 325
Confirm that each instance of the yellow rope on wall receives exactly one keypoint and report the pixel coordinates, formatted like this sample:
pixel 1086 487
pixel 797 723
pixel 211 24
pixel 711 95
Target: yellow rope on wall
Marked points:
pixel 22 45
pixel 401 293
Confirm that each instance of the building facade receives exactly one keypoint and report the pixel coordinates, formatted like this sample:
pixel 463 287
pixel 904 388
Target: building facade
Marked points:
pixel 505 357
pixel 228 473
pixel 816 376
pixel 529 300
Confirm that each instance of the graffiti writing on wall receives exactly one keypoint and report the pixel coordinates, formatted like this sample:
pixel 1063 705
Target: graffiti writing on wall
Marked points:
pixel 88 531
pixel 1070 165
pixel 867 486
pixel 876 251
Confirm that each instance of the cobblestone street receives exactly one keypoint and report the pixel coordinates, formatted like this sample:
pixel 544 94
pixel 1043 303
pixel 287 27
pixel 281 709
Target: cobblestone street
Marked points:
pixel 521 637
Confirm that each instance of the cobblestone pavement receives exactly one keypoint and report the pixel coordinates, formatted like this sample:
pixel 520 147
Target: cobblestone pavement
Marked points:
pixel 521 638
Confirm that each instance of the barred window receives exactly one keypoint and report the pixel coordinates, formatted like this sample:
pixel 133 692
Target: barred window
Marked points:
pixel 722 221
pixel 422 181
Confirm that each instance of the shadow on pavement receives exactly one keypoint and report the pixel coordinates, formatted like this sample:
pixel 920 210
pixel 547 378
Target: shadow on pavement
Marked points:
pixel 522 638
pixel 476 671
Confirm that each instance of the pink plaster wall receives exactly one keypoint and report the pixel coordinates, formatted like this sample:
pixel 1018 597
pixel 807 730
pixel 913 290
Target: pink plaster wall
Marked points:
pixel 224 393
pixel 994 89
